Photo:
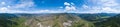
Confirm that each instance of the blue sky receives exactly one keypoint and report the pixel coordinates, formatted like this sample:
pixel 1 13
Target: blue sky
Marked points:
pixel 59 6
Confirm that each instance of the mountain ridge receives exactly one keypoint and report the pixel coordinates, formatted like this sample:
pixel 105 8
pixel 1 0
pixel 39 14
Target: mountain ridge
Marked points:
pixel 57 20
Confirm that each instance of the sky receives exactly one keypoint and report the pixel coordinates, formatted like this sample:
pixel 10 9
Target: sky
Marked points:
pixel 59 6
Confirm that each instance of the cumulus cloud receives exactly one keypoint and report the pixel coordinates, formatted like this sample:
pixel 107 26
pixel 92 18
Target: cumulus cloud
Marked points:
pixel 72 4
pixel 66 3
pixel 85 6
pixel 6 10
pixel 109 2
pixel 110 10
pixel 69 6
pixel 6 7
pixel 3 9
pixel 108 6
pixel 103 6
pixel 24 5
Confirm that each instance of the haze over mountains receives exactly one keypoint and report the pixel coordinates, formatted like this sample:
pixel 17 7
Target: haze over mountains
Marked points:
pixel 59 20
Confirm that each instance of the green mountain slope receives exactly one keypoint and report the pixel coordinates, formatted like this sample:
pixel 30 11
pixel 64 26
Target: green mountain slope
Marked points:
pixel 58 20
pixel 111 22
pixel 11 20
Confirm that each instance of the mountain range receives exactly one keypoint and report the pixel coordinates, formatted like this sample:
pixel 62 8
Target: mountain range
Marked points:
pixel 59 20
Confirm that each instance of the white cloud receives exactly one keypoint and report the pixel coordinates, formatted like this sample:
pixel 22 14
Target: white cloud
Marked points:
pixel 103 6
pixel 110 10
pixel 109 2
pixel 3 9
pixel 3 3
pixel 47 11
pixel 66 3
pixel 108 6
pixel 85 6
pixel 24 5
pixel 73 7
pixel 10 7
pixel 6 10
pixel 44 11
pixel 61 7
pixel 72 4
pixel 69 7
